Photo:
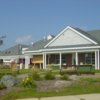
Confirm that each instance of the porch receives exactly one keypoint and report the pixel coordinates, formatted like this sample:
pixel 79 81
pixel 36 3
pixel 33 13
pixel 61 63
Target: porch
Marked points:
pixel 72 60
pixel 68 60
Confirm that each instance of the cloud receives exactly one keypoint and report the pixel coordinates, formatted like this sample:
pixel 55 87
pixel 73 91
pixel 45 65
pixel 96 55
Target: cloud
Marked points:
pixel 24 39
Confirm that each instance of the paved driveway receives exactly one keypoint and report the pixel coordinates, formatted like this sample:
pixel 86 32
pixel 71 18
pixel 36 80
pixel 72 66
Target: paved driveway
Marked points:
pixel 73 97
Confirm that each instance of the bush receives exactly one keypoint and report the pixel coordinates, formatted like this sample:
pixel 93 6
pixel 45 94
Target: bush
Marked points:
pixel 28 82
pixel 35 75
pixel 2 86
pixel 77 72
pixel 4 67
pixel 64 77
pixel 49 76
pixel 1 75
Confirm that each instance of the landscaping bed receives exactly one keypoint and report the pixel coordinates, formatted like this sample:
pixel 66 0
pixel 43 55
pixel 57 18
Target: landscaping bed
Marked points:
pixel 51 83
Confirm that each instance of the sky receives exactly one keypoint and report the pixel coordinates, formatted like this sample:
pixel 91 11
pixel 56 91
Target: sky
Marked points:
pixel 27 21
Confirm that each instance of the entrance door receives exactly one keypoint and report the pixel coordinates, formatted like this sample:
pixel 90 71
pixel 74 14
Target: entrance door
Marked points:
pixel 69 59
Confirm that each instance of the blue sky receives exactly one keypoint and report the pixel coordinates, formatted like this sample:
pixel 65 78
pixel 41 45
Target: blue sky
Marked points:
pixel 23 21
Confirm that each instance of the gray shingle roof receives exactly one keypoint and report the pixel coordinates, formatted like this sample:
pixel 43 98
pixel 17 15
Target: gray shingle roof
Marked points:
pixel 95 34
pixel 15 50
pixel 38 45
pixel 88 35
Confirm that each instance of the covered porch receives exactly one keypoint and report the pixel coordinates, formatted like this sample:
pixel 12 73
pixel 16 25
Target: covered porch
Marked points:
pixel 70 60
pixel 66 59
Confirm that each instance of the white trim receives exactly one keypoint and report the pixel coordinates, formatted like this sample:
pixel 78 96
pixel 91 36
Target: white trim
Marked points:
pixel 61 49
pixel 68 27
pixel 36 51
pixel 76 48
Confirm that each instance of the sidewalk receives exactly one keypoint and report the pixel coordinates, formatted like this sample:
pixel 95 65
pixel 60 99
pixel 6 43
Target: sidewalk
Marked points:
pixel 73 97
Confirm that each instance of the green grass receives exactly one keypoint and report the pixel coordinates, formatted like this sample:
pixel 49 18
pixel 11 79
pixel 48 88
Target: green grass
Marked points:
pixel 5 71
pixel 97 71
pixel 21 71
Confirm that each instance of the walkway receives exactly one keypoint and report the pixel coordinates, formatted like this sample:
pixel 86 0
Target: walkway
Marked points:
pixel 73 97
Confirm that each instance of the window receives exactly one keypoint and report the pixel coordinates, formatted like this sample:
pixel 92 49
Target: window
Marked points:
pixel 63 59
pixel 90 58
pixel 56 59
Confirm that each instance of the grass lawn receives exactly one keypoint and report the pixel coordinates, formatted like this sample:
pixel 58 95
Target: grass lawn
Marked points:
pixel 83 86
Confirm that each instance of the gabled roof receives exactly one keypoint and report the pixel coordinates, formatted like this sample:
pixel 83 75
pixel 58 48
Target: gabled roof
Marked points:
pixel 78 31
pixel 43 44
pixel 15 50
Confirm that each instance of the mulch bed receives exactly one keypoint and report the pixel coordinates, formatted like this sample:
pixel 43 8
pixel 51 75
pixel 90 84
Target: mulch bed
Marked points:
pixel 49 85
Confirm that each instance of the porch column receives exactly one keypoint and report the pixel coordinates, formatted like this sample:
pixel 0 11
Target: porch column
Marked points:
pixel 40 66
pixel 44 60
pixel 76 55
pixel 27 62
pixel 96 61
pixel 60 60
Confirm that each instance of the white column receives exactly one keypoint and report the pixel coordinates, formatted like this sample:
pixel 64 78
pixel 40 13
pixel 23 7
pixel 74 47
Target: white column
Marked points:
pixel 44 60
pixel 76 55
pixel 96 65
pixel 27 62
pixel 98 60
pixel 60 59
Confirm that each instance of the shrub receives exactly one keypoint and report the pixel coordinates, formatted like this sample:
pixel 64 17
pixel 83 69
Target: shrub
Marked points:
pixel 64 77
pixel 4 67
pixel 35 75
pixel 14 73
pixel 28 82
pixel 2 86
pixel 49 76
pixel 1 75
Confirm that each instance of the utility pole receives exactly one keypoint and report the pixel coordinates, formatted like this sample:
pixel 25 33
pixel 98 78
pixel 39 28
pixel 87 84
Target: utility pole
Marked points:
pixel 1 39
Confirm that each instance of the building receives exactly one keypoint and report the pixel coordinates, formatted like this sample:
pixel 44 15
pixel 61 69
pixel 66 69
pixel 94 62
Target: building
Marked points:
pixel 13 53
pixel 72 46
